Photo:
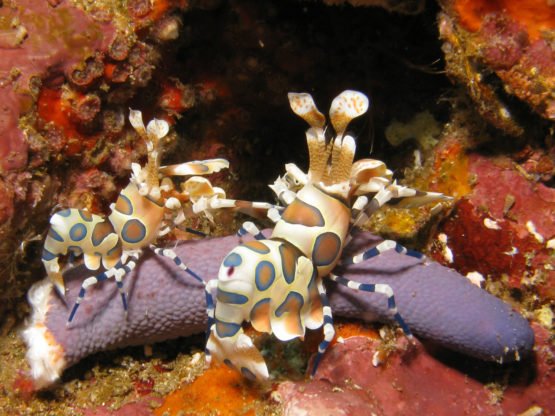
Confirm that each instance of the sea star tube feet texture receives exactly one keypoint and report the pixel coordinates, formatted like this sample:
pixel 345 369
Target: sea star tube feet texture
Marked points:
pixel 164 303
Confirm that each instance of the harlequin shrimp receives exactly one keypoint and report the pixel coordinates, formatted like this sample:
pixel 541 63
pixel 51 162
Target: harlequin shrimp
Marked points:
pixel 276 283
pixel 146 209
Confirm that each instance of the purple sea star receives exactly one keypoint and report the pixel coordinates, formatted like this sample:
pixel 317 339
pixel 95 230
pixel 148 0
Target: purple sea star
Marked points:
pixel 437 303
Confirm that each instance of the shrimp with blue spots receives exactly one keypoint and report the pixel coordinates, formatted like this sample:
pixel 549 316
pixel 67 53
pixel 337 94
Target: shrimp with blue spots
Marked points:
pixel 146 209
pixel 276 282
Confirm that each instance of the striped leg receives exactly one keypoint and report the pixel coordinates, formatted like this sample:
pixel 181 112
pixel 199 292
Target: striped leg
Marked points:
pixel 364 208
pixel 274 215
pixel 329 330
pixel 400 196
pixel 118 272
pixel 129 265
pixel 358 216
pixel 358 206
pixel 208 286
pixel 169 253
pixel 210 307
pixel 253 209
pixel 376 288
pixel 283 192
pixel 195 232
pixel 71 258
pixel 380 248
pixel 248 227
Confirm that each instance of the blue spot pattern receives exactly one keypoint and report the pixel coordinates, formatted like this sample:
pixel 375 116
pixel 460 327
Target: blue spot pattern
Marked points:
pixel 233 260
pixel 261 283
pixel 78 232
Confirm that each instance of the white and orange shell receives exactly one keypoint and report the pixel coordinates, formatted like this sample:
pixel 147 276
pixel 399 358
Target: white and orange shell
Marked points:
pixel 148 207
pixel 317 224
pixel 276 284
pixel 281 299
pixel 137 219
pixel 77 232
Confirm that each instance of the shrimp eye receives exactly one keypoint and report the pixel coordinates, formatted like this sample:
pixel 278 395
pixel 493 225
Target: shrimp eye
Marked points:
pixel 230 271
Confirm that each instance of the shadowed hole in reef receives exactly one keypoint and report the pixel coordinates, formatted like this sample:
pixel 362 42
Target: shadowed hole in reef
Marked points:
pixel 258 51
